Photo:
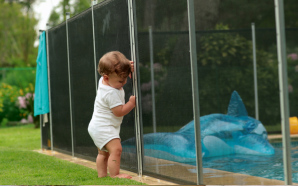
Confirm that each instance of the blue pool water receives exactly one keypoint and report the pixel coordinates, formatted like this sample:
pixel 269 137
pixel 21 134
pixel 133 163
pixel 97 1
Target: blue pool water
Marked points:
pixel 270 167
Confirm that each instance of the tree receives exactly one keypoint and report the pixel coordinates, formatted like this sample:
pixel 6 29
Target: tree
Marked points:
pixel 17 34
pixel 168 15
pixel 239 14
pixel 58 14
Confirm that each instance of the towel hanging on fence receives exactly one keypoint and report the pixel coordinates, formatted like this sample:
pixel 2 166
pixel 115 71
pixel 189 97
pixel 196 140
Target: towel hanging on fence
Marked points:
pixel 41 99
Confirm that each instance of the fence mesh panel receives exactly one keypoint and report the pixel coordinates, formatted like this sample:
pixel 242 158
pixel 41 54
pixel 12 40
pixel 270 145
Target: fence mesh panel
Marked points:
pixel 170 63
pixel 112 33
pixel 225 64
pixel 82 77
pixel 59 88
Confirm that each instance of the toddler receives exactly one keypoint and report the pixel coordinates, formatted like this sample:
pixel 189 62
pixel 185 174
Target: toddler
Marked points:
pixel 109 109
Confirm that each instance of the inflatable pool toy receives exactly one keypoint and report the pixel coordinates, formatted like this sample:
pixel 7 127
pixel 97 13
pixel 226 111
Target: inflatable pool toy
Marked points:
pixel 221 134
pixel 293 125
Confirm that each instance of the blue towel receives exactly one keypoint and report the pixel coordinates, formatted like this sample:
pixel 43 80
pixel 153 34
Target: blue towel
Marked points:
pixel 41 99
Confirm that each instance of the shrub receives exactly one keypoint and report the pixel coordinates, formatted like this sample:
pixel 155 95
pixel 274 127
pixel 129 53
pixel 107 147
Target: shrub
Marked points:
pixel 8 98
pixel 225 64
pixel 18 104
pixel 26 105
pixel 4 122
pixel 20 77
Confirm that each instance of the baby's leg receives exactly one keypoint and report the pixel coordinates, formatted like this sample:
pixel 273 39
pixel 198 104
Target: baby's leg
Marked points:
pixel 115 149
pixel 102 163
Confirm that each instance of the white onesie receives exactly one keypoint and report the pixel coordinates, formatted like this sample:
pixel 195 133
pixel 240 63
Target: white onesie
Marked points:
pixel 104 125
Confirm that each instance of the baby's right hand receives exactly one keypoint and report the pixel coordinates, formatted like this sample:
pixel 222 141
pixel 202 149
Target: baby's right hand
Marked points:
pixel 132 99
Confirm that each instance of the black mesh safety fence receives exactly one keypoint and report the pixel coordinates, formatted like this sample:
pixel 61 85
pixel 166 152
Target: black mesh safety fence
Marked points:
pixel 268 84
pixel 225 65
pixel 292 59
pixel 59 87
pixel 222 56
pixel 111 25
pixel 163 49
pixel 111 28
pixel 82 78
pixel 292 47
pixel 45 133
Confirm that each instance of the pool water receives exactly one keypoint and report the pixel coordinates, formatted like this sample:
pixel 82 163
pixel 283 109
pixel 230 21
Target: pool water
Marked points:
pixel 270 167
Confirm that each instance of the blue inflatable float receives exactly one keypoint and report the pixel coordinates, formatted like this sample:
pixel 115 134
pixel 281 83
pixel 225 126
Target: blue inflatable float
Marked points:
pixel 221 134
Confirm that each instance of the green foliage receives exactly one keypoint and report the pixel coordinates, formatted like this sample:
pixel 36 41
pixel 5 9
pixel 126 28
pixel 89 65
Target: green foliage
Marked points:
pixel 163 15
pixel 8 96
pixel 225 65
pixel 291 13
pixel 226 56
pixel 160 72
pixel 17 103
pixel 167 22
pixel 26 105
pixel 4 122
pixel 224 49
pixel 19 77
pixel 54 18
pixel 293 83
pixel 1 102
pixel 240 14
pixel 73 7
pixel 221 26
pixel 17 36
pixel 80 6
pixel 164 55
pixel 14 86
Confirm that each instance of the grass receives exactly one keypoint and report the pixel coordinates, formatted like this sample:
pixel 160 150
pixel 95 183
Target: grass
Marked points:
pixel 20 165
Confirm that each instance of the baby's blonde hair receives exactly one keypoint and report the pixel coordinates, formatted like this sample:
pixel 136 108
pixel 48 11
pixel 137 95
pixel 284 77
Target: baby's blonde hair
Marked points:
pixel 114 61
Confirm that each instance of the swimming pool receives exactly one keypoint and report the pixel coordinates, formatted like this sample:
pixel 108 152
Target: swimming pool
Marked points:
pixel 270 167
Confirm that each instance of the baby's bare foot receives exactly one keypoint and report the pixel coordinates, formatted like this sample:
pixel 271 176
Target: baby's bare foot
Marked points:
pixel 122 176
pixel 102 176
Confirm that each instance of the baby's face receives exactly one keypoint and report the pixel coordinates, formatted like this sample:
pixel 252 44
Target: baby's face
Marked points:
pixel 116 82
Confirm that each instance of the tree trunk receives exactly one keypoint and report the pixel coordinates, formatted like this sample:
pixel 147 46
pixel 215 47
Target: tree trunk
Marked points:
pixel 206 15
pixel 149 13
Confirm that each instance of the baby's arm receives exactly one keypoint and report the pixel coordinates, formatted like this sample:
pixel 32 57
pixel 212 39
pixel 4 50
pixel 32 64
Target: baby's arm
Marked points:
pixel 122 110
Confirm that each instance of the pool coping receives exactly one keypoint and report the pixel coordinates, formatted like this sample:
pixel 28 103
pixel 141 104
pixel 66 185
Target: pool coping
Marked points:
pixel 274 138
pixel 175 170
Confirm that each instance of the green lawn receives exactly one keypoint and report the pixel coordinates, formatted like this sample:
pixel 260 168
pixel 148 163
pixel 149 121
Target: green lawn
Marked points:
pixel 20 165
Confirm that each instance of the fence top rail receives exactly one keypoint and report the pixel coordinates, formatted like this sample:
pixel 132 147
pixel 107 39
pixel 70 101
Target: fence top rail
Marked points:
pixel 216 31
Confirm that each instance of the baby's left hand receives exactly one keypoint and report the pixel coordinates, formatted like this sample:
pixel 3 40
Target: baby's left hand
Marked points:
pixel 132 66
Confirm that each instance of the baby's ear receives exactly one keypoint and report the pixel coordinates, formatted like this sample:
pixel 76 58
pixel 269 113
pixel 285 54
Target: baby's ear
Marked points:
pixel 106 77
